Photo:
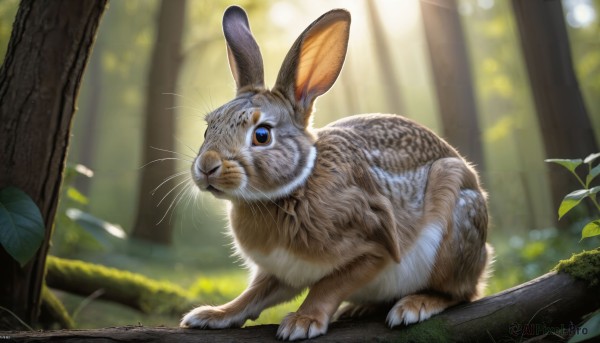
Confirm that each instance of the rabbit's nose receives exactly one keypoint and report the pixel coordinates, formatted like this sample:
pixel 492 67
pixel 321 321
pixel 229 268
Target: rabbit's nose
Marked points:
pixel 210 162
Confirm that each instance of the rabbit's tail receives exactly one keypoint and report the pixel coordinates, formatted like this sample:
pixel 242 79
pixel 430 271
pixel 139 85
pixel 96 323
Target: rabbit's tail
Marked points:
pixel 488 269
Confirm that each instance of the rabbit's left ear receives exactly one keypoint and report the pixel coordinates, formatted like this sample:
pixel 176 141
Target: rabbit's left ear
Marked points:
pixel 245 59
pixel 315 60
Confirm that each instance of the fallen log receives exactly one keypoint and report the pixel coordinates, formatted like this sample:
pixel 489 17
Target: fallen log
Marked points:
pixel 553 304
pixel 130 289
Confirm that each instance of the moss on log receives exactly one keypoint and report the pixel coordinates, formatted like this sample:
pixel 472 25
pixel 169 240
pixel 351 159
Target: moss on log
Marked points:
pixel 584 266
pixel 130 289
pixel 53 311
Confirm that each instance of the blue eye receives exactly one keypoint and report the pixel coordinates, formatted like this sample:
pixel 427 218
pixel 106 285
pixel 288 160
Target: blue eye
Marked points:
pixel 261 136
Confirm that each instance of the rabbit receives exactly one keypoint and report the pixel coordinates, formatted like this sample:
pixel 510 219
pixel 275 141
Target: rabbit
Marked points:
pixel 374 210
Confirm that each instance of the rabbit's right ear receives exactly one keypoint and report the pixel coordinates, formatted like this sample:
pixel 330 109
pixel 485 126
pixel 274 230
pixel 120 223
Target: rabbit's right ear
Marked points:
pixel 245 60
pixel 314 62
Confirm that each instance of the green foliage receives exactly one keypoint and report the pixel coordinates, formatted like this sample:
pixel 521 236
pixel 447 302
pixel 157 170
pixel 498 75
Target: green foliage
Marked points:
pixel 591 229
pixel 8 9
pixel 21 224
pixel 76 230
pixel 107 234
pixel 573 199
pixel 591 327
pixel 520 258
pixel 584 266
pixel 570 165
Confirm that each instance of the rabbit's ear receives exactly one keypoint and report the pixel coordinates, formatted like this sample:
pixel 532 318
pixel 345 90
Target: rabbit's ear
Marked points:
pixel 243 52
pixel 315 60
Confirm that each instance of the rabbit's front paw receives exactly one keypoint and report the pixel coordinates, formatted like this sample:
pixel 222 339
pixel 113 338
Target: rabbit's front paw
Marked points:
pixel 210 317
pixel 416 308
pixel 298 326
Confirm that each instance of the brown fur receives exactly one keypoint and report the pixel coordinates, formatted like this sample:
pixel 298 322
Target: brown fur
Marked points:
pixel 348 201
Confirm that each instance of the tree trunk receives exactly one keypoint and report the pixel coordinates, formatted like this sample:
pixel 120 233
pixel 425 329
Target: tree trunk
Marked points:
pixel 391 86
pixel 561 112
pixel 151 224
pixel 452 78
pixel 548 304
pixel 39 81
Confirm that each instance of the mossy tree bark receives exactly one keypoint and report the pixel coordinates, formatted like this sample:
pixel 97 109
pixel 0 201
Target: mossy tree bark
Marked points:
pixel 39 81
pixel 551 304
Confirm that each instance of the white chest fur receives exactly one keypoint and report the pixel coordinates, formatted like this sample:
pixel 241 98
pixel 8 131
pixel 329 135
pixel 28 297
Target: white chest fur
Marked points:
pixel 398 279
pixel 289 268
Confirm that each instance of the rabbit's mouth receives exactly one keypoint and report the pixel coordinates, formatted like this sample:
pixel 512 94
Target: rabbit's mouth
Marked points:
pixel 214 191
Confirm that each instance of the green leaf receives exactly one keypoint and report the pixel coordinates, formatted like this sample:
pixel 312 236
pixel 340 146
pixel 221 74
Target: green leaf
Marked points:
pixel 571 165
pixel 21 224
pixel 76 196
pixel 100 229
pixel 591 157
pixel 591 229
pixel 593 173
pixel 73 170
pixel 571 200
pixel 588 330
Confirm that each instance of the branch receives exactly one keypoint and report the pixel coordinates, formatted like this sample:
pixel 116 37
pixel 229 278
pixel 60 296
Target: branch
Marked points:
pixel 549 302
pixel 126 288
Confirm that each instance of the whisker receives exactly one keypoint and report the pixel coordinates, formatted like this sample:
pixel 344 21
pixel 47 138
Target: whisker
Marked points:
pixel 175 94
pixel 195 103
pixel 192 194
pixel 245 194
pixel 169 192
pixel 181 173
pixel 184 190
pixel 165 159
pixel 261 203
pixel 268 211
pixel 173 152
pixel 186 194
pixel 249 203
pixel 189 147
pixel 172 202
pixel 266 197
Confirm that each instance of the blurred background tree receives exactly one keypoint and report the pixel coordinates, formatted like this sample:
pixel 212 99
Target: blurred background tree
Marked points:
pixel 159 127
pixel 561 111
pixel 452 78
pixel 385 62
pixel 391 52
